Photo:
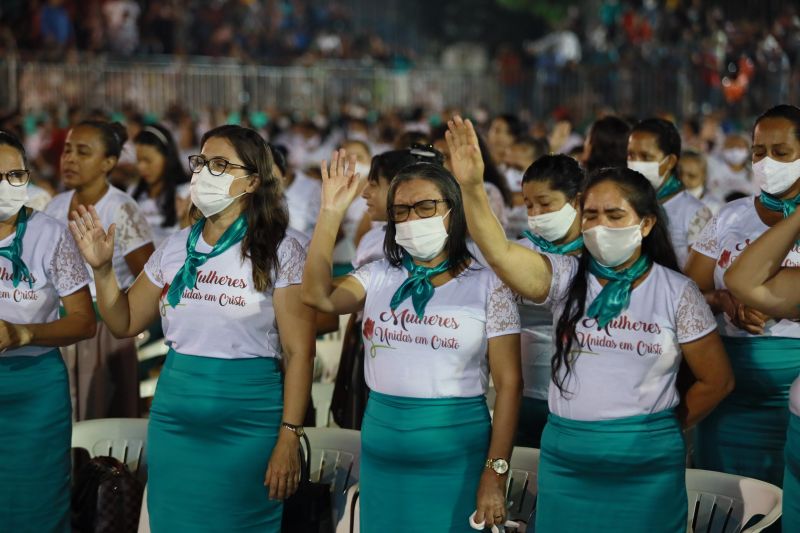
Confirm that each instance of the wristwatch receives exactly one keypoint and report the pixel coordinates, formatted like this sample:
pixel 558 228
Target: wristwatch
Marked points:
pixel 297 430
pixel 499 465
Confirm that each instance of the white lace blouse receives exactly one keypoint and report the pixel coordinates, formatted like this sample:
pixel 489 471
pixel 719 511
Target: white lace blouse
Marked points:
pixel 629 367
pixel 444 353
pixel 224 316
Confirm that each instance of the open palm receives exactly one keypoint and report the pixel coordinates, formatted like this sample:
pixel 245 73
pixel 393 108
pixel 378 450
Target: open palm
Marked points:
pixel 341 184
pixel 465 153
pixel 96 246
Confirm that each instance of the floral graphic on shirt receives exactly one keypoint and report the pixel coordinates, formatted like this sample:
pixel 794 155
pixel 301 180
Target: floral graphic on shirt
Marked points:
pixel 163 302
pixel 725 259
pixel 369 331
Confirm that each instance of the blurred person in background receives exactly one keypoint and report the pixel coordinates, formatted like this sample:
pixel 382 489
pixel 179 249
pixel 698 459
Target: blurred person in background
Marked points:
pixel 729 170
pixel 693 172
pixel 606 144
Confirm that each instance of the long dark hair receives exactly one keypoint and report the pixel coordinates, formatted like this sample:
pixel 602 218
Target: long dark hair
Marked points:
pixel 609 141
pixel 456 245
pixel 173 174
pixel 657 245
pixel 560 171
pixel 267 217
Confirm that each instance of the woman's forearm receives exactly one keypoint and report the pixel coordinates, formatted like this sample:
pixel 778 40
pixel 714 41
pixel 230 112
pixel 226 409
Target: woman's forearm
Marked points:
pixel 318 273
pixel 504 420
pixel 297 387
pixel 112 302
pixel 74 327
pixel 701 399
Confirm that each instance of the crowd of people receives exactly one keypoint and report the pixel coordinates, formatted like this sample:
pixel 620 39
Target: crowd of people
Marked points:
pixel 627 290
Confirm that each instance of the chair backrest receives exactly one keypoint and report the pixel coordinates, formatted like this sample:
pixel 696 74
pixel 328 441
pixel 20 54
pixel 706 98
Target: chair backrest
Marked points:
pixel 522 483
pixel 724 503
pixel 322 394
pixel 350 520
pixel 122 438
pixel 335 459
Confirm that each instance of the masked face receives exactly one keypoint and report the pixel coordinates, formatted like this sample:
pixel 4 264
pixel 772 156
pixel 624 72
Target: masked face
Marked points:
pixel 423 238
pixel 611 247
pixel 645 156
pixel 12 197
pixel 776 177
pixel 650 170
pixel 736 156
pixel 553 226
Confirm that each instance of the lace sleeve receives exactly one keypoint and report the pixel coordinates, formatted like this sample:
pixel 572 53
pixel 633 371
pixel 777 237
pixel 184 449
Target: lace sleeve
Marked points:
pixel 706 243
pixel 67 269
pixel 694 318
pixel 502 315
pixel 698 222
pixel 133 231
pixel 153 268
pixel 292 260
pixel 363 274
pixel 564 269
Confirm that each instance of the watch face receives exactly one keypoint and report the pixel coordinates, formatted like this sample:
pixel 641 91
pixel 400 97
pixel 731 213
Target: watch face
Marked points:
pixel 300 431
pixel 500 466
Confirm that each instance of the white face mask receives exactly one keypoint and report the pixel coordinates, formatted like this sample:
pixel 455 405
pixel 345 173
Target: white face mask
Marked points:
pixel 697 192
pixel 423 238
pixel 776 177
pixel 211 194
pixel 736 156
pixel 553 226
pixel 11 199
pixel 514 179
pixel 362 169
pixel 612 246
pixel 649 169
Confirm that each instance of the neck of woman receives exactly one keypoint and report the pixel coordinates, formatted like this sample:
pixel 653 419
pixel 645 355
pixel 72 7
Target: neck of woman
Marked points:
pixel 91 193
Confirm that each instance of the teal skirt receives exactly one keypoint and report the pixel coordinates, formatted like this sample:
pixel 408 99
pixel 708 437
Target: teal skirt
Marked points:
pixel 610 476
pixel 746 433
pixel 213 425
pixel 532 419
pixel 791 477
pixel 35 436
pixel 421 462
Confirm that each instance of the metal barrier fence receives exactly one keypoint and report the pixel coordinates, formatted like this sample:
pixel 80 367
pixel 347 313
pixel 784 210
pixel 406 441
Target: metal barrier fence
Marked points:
pixel 153 87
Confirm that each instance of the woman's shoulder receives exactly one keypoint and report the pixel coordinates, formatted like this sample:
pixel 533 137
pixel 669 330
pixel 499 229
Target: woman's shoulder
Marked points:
pixel 45 223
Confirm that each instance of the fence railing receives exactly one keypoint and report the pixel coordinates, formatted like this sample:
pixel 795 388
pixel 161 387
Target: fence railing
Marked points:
pixel 153 87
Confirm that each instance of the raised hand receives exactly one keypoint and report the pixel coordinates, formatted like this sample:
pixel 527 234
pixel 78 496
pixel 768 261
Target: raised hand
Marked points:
pixel 96 246
pixel 465 153
pixel 341 184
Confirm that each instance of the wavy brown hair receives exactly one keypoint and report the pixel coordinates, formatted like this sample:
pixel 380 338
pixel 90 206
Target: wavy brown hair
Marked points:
pixel 267 217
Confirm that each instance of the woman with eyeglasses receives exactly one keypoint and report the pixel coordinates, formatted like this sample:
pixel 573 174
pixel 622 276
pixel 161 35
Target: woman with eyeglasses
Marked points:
pixel 551 191
pixel 103 369
pixel 40 269
pixel 624 318
pixel 161 172
pixel 225 425
pixel 430 454
pixel 746 434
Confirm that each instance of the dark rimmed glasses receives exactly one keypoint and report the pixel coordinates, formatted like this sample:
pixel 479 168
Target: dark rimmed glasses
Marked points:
pixel 423 209
pixel 17 178
pixel 216 165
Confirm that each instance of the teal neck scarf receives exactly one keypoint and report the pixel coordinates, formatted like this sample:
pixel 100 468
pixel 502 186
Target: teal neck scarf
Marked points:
pixel 669 187
pixel 615 297
pixel 186 277
pixel 552 248
pixel 13 252
pixel 773 203
pixel 418 284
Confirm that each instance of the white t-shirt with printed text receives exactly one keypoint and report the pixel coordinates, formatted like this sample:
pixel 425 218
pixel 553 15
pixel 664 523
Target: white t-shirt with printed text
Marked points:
pixel 115 207
pixel 686 217
pixel 442 355
pixel 223 316
pixel 57 269
pixel 723 240
pixel 629 367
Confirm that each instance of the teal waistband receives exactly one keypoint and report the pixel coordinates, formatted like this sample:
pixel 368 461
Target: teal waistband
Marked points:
pixel 652 422
pixel 764 367
pixel 198 364
pixel 21 362
pixel 765 343
pixel 404 401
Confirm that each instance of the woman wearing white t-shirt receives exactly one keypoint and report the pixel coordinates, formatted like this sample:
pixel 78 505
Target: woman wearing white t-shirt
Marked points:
pixel 103 370
pixel 161 171
pixel 223 434
pixel 551 190
pixel 40 269
pixel 654 150
pixel 430 314
pixel 746 435
pixel 758 279
pixel 624 318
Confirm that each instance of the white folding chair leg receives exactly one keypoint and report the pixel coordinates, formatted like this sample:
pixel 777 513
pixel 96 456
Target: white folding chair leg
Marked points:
pixel 144 516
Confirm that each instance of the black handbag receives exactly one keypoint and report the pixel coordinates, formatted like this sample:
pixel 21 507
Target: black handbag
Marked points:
pixel 106 498
pixel 350 390
pixel 310 509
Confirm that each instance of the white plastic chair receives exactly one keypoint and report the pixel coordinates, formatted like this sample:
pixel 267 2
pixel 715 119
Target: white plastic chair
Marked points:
pixel 144 516
pixel 122 438
pixel 724 503
pixel 335 459
pixel 522 484
pixel 349 522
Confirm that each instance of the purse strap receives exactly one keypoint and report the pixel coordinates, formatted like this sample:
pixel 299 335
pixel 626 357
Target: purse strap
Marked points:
pixel 305 460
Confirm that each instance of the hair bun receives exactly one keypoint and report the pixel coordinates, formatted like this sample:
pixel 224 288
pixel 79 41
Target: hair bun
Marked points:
pixel 120 132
